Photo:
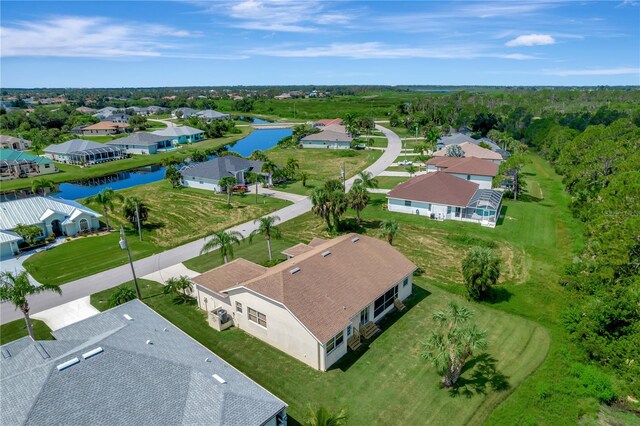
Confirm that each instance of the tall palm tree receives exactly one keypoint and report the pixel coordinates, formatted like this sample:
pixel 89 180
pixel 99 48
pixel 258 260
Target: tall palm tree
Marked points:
pixel 431 137
pixel 227 183
pixel 269 167
pixel 15 287
pixel 322 417
pixel 320 205
pixel 358 198
pixel 481 270
pixel 389 229
pixel 292 166
pixel 337 207
pixel 42 183
pixel 266 226
pixel 181 286
pixel 223 240
pixel 105 198
pixel 367 180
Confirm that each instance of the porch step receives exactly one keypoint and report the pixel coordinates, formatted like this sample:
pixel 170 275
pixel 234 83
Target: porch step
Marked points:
pixel 369 330
pixel 354 342
pixel 399 305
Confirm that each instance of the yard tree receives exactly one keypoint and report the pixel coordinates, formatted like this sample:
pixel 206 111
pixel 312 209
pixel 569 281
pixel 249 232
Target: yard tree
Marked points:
pixel 333 185
pixel 138 122
pixel 366 179
pixel 267 227
pixel 481 270
pixel 180 286
pixel 431 137
pixel 389 229
pixel 16 287
pixel 450 346
pixel 224 241
pixel 258 155
pixel 227 183
pixel 29 233
pixel 337 207
pixel 105 199
pixel 269 167
pixel 320 205
pixel 291 167
pixel 303 176
pixel 173 175
pixel 358 198
pixel 411 169
pixel 454 151
pixel 322 417
pixel 121 295
pixel 43 184
pixel 129 207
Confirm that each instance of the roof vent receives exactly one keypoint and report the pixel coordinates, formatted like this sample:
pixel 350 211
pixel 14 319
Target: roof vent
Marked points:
pixel 127 317
pixel 149 342
pixel 219 379
pixel 92 352
pixel 294 270
pixel 326 253
pixel 6 354
pixel 166 329
pixel 355 239
pixel 207 360
pixel 72 361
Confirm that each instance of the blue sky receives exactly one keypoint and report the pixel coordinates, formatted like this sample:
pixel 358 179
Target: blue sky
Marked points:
pixel 277 42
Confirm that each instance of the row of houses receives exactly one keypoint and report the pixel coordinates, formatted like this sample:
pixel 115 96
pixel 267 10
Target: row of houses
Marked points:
pixel 207 114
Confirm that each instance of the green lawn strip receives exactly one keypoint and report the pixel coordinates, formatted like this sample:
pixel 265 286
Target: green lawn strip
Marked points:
pixel 376 382
pixel 177 216
pixel 390 182
pixel 14 330
pixel 402 168
pixel 70 172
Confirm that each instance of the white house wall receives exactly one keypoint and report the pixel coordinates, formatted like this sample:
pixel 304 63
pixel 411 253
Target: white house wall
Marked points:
pixel 483 181
pixel 201 183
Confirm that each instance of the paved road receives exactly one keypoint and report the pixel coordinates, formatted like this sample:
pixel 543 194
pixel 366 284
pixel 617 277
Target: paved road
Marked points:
pixel 113 277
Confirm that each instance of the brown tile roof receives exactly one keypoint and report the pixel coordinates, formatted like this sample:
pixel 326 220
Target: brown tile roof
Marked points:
pixel 328 291
pixel 106 125
pixel 315 242
pixel 472 150
pixel 465 165
pixel 229 275
pixel 296 250
pixel 437 188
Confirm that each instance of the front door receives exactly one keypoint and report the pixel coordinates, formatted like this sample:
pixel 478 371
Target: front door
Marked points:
pixel 458 211
pixel 56 228
pixel 364 316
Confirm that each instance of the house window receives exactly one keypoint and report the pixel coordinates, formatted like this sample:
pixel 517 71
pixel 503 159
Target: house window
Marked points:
pixel 384 301
pixel 238 307
pixel 46 166
pixel 349 331
pixel 468 177
pixel 335 342
pixel 407 203
pixel 84 224
pixel 257 317
pixel 448 209
pixel 405 282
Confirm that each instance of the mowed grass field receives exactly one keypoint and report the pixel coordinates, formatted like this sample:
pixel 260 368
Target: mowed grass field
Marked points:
pixel 176 216
pixel 14 330
pixel 385 381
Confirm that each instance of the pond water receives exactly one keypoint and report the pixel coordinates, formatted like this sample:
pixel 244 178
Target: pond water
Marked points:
pixel 258 139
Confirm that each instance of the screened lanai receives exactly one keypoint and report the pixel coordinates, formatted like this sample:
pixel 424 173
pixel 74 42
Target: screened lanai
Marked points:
pixel 484 206
pixel 96 155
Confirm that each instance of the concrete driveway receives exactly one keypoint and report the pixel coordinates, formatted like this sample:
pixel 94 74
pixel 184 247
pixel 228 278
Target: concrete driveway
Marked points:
pixel 67 313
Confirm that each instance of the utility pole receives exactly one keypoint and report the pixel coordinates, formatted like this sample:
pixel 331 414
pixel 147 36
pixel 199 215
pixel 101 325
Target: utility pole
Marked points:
pixel 343 173
pixel 125 246
pixel 138 220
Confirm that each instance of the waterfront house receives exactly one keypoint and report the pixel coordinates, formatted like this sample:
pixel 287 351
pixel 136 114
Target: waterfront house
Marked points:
pixel 207 174
pixel 142 143
pixel 83 152
pixel 210 115
pixel 18 164
pixel 333 136
pixel 181 134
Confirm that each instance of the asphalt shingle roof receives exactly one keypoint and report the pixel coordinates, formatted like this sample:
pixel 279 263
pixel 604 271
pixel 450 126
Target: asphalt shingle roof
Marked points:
pixel 167 382
pixel 438 188
pixel 220 167
pixel 178 131
pixel 73 145
pixel 141 138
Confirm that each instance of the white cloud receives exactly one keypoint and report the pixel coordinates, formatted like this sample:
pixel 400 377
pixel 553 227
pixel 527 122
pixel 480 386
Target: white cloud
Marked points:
pixel 599 71
pixel 531 40
pixel 74 36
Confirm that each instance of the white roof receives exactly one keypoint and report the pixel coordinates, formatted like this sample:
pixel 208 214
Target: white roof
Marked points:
pixel 72 146
pixel 178 131
pixel 30 211
pixel 9 236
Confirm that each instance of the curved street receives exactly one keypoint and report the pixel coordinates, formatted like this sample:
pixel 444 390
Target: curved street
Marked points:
pixel 116 276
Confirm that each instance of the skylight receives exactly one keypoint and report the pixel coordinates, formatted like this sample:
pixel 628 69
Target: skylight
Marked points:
pixel 294 270
pixel 67 364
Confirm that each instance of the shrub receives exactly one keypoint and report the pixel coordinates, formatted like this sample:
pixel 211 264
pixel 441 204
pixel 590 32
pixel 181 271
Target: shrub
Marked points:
pixel 121 295
pixel 593 382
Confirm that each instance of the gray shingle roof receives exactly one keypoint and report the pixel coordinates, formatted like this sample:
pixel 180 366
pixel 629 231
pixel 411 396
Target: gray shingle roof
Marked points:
pixel 72 146
pixel 178 131
pixel 28 211
pixel 168 382
pixel 219 167
pixel 141 138
pixel 211 114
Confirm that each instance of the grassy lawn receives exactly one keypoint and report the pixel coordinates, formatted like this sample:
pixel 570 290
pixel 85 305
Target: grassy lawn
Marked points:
pixel 176 216
pixel 390 182
pixel 391 365
pixel 16 329
pixel 70 172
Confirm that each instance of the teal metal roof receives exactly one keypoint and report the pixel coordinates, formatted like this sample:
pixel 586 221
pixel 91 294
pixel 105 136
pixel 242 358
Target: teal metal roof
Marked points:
pixel 10 155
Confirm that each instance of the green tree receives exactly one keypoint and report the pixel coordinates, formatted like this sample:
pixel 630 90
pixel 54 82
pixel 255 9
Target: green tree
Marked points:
pixel 291 167
pixel 411 169
pixel 180 286
pixel 43 184
pixel 366 179
pixel 129 210
pixel 269 167
pixel 267 227
pixel 173 175
pixel 358 198
pixel 483 144
pixel 389 229
pixel 320 205
pixel 303 176
pixel 227 183
pixel 138 122
pixel 16 287
pixel 333 185
pixel 337 207
pixel 449 347
pixel 105 199
pixel 258 155
pixel 431 138
pixel 29 233
pixel 454 151
pixel 481 270
pixel 223 240
pixel 121 295
pixel 322 417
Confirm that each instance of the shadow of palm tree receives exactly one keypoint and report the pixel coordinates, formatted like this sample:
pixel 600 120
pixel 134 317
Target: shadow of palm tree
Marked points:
pixel 479 376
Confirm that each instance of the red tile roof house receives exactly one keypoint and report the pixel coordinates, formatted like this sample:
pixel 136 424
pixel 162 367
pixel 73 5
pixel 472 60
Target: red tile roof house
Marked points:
pixel 441 195
pixel 472 169
pixel 315 305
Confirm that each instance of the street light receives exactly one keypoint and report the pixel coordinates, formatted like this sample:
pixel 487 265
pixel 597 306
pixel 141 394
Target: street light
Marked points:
pixel 125 246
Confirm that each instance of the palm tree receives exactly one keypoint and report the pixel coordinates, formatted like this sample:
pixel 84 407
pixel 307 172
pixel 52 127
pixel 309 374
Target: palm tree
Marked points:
pixel 320 205
pixel 105 198
pixel 358 198
pixel 303 176
pixel 15 287
pixel 180 286
pixel 292 166
pixel 42 183
pixel 269 167
pixel 337 204
pixel 431 137
pixel 227 183
pixel 322 417
pixel 266 226
pixel 389 229
pixel 367 180
pixel 481 270
pixel 449 347
pixel 258 155
pixel 412 170
pixel 134 208
pixel 223 240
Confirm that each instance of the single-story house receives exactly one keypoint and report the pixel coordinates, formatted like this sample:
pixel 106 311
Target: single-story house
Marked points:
pixel 441 195
pixel 9 241
pixel 80 151
pixel 327 122
pixel 334 136
pixel 473 150
pixel 53 215
pixel 314 305
pixel 181 134
pixel 459 138
pixel 118 118
pixel 183 112
pixel 86 110
pixel 210 115
pixel 106 112
pixel 15 164
pixel 142 143
pixel 128 366
pixel 207 174
pixel 11 142
pixel 472 169
pixel 105 128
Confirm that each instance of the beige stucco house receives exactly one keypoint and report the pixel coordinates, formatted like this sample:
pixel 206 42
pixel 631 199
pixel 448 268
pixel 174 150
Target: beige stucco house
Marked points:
pixel 315 305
